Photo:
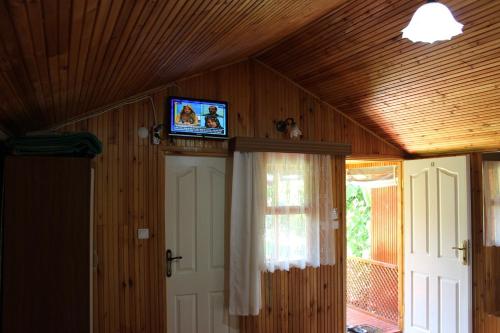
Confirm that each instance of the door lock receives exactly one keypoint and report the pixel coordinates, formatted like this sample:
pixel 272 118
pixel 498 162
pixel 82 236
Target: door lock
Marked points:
pixel 170 259
pixel 465 252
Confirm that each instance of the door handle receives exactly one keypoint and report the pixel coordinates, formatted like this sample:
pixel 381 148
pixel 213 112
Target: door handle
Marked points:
pixel 171 259
pixel 465 252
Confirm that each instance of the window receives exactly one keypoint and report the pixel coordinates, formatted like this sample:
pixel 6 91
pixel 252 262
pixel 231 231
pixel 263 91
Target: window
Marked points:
pixel 491 194
pixel 286 228
pixel 282 216
pixel 293 221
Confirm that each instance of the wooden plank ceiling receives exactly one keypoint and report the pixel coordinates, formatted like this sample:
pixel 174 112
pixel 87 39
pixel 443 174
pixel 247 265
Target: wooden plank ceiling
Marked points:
pixel 424 98
pixel 61 58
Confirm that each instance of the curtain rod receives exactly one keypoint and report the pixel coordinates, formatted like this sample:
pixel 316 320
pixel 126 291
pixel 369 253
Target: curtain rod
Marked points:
pixel 249 144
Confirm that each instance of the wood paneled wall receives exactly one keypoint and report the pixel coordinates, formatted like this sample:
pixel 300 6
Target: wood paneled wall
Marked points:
pixel 129 288
pixel 485 260
pixel 492 273
pixel 129 188
pixel 129 284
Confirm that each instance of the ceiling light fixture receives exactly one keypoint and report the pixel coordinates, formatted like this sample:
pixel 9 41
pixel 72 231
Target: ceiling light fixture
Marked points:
pixel 432 22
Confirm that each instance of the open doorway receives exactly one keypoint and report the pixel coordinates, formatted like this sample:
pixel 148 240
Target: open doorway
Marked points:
pixel 374 246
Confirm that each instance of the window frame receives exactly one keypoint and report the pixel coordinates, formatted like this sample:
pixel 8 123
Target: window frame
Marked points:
pixel 279 210
pixel 488 157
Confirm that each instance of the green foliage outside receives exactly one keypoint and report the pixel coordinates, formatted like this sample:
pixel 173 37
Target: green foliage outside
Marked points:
pixel 359 211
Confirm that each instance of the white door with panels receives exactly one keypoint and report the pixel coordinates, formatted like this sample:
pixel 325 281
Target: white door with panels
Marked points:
pixel 195 206
pixel 437 246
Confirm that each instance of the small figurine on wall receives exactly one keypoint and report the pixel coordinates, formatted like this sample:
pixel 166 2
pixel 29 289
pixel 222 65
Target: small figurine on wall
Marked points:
pixel 289 126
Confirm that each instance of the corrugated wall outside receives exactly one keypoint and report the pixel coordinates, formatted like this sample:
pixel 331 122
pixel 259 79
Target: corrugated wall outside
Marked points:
pixel 384 227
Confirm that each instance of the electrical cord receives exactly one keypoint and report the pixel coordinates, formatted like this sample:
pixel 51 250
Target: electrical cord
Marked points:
pixel 114 107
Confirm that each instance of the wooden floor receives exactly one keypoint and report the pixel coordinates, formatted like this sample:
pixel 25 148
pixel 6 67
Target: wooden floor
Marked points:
pixel 355 317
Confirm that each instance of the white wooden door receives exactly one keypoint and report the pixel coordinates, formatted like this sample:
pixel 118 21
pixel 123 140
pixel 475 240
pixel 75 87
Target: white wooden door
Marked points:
pixel 195 203
pixel 437 220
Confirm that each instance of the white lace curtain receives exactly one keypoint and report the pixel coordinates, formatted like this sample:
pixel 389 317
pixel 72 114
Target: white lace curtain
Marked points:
pixel 298 211
pixel 491 189
pixel 282 216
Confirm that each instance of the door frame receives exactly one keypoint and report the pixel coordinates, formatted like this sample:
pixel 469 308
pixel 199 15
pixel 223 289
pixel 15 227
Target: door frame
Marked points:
pixel 400 232
pixel 191 152
pixel 470 230
pixel 401 248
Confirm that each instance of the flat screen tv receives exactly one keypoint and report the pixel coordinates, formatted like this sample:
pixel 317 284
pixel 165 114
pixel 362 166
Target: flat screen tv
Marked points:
pixel 197 118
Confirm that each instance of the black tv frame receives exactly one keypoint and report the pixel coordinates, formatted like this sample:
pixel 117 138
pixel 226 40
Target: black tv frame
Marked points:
pixel 194 135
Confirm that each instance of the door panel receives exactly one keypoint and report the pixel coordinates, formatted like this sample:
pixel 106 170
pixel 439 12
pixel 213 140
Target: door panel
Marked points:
pixel 447 217
pixel 217 207
pixel 449 294
pixel 184 224
pixel 195 207
pixel 420 298
pixel 419 219
pixel 437 220
pixel 186 307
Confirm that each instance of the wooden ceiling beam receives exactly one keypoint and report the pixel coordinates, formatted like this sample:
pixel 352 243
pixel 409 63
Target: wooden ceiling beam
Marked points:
pixel 64 58
pixel 347 46
pixel 419 74
pixel 440 95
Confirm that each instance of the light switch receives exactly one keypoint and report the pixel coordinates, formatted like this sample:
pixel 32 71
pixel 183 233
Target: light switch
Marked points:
pixel 143 233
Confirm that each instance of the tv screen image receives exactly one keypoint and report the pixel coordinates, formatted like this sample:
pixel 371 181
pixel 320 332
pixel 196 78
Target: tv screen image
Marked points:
pixel 197 117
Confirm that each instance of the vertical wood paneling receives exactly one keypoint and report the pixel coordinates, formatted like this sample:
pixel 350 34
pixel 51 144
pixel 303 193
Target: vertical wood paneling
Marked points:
pixel 130 285
pixel 129 281
pixel 484 260
pixel 492 273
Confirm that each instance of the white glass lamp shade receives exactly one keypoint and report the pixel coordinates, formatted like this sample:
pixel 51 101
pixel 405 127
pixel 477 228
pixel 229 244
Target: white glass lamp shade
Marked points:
pixel 432 22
